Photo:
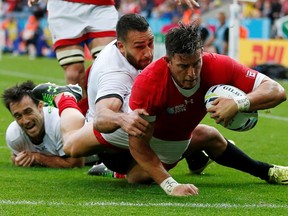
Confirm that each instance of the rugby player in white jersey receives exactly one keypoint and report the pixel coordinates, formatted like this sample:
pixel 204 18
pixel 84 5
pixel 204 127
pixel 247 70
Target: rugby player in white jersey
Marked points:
pixel 75 23
pixel 34 137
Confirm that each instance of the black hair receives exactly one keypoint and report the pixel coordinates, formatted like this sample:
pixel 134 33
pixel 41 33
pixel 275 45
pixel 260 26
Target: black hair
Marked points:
pixel 17 92
pixel 185 39
pixel 130 22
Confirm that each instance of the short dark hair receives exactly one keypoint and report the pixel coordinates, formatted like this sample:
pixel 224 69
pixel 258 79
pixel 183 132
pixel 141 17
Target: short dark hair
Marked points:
pixel 130 22
pixel 185 39
pixel 17 92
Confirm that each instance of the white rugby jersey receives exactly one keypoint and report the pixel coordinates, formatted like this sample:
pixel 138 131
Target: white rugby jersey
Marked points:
pixel 52 144
pixel 111 74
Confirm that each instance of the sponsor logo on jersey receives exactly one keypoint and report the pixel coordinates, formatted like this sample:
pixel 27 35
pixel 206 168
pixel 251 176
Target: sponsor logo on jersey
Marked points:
pixel 251 74
pixel 179 108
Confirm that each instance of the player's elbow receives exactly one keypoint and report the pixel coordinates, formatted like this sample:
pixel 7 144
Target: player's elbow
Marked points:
pixel 281 95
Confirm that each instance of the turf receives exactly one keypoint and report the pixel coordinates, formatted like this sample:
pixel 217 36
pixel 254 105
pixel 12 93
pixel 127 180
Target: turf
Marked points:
pixel 223 191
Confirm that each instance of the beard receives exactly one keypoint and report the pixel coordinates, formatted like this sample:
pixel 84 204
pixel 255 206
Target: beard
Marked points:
pixel 136 64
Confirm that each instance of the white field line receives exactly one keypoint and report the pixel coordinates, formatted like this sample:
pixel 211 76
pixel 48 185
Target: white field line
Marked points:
pixel 119 204
pixel 33 76
pixel 274 117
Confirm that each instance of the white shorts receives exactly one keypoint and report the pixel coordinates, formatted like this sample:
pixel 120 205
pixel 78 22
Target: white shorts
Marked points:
pixel 72 23
pixel 169 152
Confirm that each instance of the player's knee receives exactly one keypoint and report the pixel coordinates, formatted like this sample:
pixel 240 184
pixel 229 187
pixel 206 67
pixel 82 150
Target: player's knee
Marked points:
pixel 75 73
pixel 70 151
pixel 67 150
pixel 137 175
pixel 205 133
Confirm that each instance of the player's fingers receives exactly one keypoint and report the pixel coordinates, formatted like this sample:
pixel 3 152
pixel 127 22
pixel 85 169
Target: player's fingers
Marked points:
pixel 32 160
pixel 142 112
pixel 20 156
pixel 21 161
pixel 27 162
pixel 137 133
pixel 193 189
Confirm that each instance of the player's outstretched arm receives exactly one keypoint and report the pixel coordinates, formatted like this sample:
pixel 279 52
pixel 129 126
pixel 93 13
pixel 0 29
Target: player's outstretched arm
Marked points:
pixel 151 164
pixel 27 159
pixel 57 161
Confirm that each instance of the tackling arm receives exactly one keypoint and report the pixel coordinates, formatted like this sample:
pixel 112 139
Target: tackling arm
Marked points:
pixel 108 118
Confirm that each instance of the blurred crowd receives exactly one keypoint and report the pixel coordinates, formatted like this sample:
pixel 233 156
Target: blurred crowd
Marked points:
pixel 33 37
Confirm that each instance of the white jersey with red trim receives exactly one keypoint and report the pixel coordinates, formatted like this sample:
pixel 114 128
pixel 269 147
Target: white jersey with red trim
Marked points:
pixel 177 111
pixel 72 22
pixel 52 144
pixel 111 75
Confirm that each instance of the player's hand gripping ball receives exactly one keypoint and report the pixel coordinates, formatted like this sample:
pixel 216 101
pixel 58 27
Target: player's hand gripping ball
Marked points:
pixel 242 121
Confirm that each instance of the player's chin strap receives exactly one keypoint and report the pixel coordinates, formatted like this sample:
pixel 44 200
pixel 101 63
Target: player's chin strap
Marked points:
pixel 243 103
pixel 168 185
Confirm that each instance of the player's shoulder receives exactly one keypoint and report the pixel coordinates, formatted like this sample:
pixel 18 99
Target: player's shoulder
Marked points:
pixel 153 78
pixel 214 60
pixel 13 133
pixel 51 113
pixel 207 56
pixel 51 118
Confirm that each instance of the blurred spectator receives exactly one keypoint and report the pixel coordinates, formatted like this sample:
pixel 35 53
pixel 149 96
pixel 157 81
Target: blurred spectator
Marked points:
pixel 206 34
pixel 32 32
pixel 249 10
pixel 11 31
pixel 10 6
pixel 275 10
pixel 129 6
pixel 221 36
pixel 174 23
pixel 167 10
pixel 146 7
pixel 284 10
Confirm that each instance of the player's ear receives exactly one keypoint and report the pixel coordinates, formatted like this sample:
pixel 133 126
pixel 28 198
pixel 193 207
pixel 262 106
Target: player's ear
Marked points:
pixel 40 105
pixel 166 58
pixel 120 46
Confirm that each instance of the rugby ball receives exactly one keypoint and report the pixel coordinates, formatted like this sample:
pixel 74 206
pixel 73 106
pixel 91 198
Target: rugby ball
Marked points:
pixel 242 121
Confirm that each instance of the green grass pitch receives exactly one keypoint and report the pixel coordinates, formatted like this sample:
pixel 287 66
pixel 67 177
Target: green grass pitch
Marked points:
pixel 223 191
